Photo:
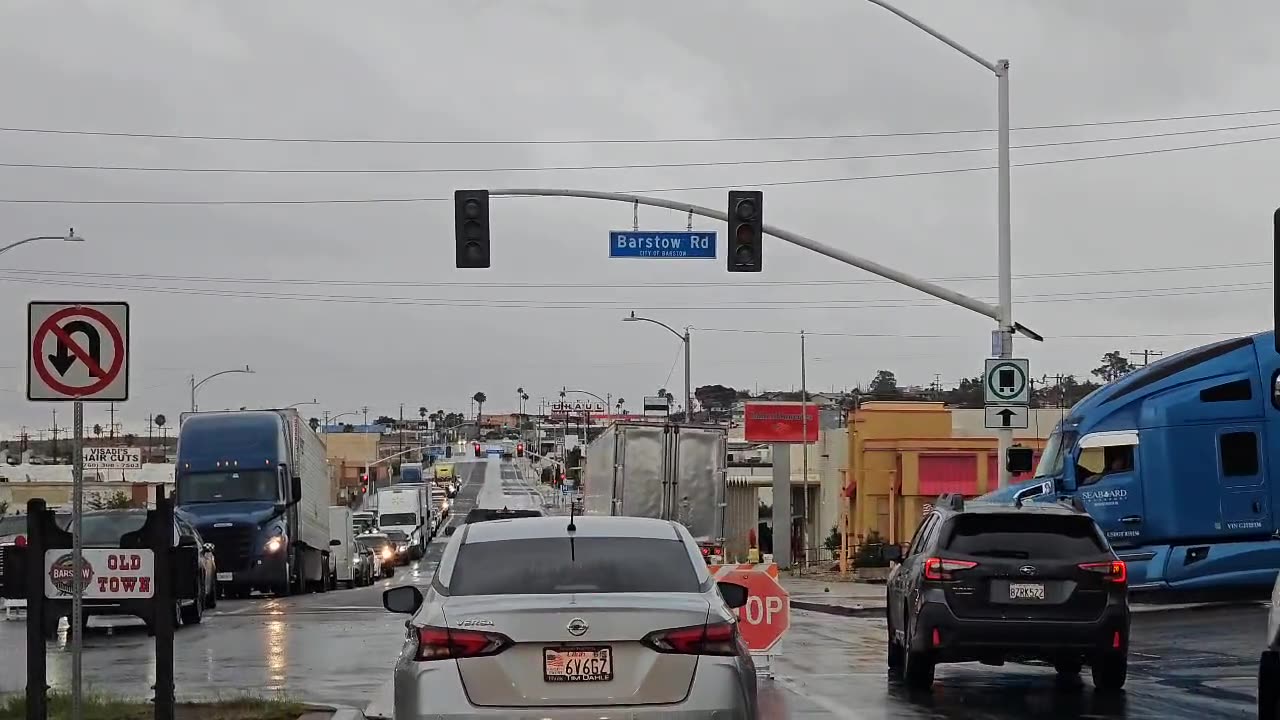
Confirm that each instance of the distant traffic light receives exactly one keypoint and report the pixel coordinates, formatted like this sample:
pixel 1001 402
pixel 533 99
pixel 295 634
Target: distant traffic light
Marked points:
pixel 1019 459
pixel 746 230
pixel 471 227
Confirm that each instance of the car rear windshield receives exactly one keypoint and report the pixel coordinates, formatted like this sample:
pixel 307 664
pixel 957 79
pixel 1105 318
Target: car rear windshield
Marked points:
pixel 1024 536
pixel 105 530
pixel 548 566
pixel 482 515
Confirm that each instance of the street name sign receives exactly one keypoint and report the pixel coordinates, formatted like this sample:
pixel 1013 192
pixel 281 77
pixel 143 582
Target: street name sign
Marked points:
pixel 666 244
pixel 1006 381
pixel 112 458
pixel 78 351
pixel 1008 416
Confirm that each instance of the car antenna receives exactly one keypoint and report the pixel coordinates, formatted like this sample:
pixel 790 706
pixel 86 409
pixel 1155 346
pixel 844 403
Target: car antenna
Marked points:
pixel 573 555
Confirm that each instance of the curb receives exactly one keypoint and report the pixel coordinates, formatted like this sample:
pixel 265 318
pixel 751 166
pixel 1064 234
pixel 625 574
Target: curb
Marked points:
pixel 1136 608
pixel 347 714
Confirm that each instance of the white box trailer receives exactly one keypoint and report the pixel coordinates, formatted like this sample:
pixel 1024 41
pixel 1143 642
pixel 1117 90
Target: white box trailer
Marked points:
pixel 342 554
pixel 661 470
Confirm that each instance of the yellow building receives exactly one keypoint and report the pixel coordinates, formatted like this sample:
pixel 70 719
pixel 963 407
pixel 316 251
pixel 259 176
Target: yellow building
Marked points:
pixel 902 456
pixel 348 453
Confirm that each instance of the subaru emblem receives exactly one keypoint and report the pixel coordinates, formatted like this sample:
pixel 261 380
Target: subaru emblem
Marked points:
pixel 1027 569
pixel 577 627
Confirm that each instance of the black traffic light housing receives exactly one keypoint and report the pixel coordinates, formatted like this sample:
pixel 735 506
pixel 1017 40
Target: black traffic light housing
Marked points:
pixel 1019 459
pixel 471 228
pixel 746 230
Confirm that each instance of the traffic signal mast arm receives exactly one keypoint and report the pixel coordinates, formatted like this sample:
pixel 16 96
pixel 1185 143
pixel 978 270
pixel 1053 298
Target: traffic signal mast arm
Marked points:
pixel 870 266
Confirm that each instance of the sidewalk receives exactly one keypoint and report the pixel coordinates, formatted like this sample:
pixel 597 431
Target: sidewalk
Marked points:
pixel 826 592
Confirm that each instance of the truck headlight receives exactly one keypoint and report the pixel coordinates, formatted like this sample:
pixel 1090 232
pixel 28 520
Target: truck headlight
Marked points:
pixel 444 505
pixel 386 552
pixel 274 544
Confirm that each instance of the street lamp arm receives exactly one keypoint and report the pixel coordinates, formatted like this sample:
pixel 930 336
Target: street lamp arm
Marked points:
pixel 870 266
pixel 993 67
pixel 586 392
pixel 218 374
pixel 675 332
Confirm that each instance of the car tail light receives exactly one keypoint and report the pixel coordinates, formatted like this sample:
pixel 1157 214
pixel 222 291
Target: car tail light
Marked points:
pixel 941 568
pixel 20 541
pixel 711 639
pixel 1115 570
pixel 437 643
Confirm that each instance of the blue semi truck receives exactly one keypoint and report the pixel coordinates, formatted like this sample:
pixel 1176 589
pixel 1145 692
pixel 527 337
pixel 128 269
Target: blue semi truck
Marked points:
pixel 256 484
pixel 1173 461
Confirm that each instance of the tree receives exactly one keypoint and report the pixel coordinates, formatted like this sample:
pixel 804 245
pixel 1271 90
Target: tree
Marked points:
pixel 1114 366
pixel 885 385
pixel 480 399
pixel 384 420
pixel 716 397
pixel 968 394
pixel 422 413
pixel 314 423
pixel 116 500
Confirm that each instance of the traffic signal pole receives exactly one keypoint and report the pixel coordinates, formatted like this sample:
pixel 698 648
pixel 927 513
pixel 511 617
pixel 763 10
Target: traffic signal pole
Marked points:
pixel 924 286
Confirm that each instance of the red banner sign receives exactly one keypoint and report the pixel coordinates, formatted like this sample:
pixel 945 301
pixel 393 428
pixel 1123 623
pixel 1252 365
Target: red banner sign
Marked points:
pixel 780 422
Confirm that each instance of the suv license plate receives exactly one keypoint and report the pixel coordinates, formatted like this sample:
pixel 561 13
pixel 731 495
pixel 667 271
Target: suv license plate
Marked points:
pixel 224 577
pixel 1026 591
pixel 577 664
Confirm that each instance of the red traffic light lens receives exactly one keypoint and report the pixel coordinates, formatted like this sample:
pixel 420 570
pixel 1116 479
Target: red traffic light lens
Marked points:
pixel 745 234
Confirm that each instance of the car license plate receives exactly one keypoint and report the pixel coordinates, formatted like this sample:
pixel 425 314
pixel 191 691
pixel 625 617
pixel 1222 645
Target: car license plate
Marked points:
pixel 577 664
pixel 224 577
pixel 1026 591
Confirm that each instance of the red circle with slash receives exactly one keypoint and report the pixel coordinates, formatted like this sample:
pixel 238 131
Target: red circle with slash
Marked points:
pixel 105 375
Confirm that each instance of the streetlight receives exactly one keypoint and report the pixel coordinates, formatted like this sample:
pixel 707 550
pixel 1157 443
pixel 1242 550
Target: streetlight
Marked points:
pixel 312 401
pixel 196 385
pixel 688 388
pixel 1004 314
pixel 69 237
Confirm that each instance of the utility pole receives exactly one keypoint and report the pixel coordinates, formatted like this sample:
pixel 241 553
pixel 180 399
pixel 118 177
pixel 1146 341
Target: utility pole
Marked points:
pixel 1146 355
pixel 804 462
pixel 365 410
pixel 55 436
pixel 111 429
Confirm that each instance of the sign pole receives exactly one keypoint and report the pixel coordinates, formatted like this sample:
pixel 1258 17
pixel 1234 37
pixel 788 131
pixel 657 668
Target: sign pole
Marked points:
pixel 76 620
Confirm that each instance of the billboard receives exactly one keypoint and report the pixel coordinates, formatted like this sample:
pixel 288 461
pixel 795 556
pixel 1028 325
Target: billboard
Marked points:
pixel 112 458
pixel 780 422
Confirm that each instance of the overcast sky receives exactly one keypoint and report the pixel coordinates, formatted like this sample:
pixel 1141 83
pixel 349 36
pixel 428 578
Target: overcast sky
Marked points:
pixel 294 290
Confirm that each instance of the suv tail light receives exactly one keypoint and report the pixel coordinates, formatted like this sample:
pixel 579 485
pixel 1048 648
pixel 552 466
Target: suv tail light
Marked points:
pixel 437 643
pixel 720 638
pixel 1115 570
pixel 941 568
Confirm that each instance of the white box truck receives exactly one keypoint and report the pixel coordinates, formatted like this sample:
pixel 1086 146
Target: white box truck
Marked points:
pixel 408 508
pixel 661 470
pixel 342 555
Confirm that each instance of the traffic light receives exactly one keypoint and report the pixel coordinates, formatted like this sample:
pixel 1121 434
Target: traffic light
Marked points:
pixel 746 230
pixel 1019 459
pixel 471 227
pixel 364 483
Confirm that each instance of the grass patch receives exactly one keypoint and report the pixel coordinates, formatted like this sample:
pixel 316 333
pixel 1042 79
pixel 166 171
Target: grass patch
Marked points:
pixel 102 707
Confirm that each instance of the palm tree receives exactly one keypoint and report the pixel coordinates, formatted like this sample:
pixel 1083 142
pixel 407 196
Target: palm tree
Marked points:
pixel 479 398
pixel 422 413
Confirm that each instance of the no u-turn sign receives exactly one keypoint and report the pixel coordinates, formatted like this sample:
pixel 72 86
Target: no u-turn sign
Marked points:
pixel 78 351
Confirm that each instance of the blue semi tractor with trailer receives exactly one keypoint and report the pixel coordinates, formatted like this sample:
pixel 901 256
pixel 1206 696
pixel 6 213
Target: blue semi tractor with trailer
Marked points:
pixel 1174 462
pixel 256 483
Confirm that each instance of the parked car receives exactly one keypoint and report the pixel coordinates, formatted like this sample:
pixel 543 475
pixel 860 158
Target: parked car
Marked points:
pixel 648 634
pixel 105 529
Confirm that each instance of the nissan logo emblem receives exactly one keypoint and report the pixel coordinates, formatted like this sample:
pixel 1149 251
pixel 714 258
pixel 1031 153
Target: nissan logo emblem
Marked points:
pixel 577 627
pixel 1027 569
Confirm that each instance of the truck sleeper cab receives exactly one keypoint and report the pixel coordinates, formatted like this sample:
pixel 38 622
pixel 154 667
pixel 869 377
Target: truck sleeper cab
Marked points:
pixel 1172 462
pixel 255 485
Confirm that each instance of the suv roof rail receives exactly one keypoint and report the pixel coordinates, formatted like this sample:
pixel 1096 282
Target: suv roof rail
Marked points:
pixel 951 501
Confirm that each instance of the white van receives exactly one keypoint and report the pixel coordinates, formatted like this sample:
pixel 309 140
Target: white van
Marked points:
pixel 341 555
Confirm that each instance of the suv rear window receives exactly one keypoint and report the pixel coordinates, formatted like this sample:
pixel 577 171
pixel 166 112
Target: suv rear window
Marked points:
pixel 1024 536
pixel 484 515
pixel 549 566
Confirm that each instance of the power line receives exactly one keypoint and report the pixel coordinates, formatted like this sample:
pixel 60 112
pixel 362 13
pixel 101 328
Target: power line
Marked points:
pixel 778 183
pixel 618 166
pixel 613 141
pixel 615 286
pixel 1146 293
pixel 755 331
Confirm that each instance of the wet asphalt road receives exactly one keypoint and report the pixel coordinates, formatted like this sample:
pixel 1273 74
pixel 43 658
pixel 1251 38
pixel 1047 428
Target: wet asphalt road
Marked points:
pixel 339 647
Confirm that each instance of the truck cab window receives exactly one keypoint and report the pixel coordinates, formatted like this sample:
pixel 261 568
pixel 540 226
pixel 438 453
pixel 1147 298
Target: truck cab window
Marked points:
pixel 1239 454
pixel 1096 463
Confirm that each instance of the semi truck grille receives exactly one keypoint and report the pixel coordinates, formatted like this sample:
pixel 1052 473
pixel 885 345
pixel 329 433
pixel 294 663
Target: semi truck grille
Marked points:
pixel 231 547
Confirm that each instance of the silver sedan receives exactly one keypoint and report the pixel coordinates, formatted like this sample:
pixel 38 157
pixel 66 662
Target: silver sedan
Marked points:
pixel 594 617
